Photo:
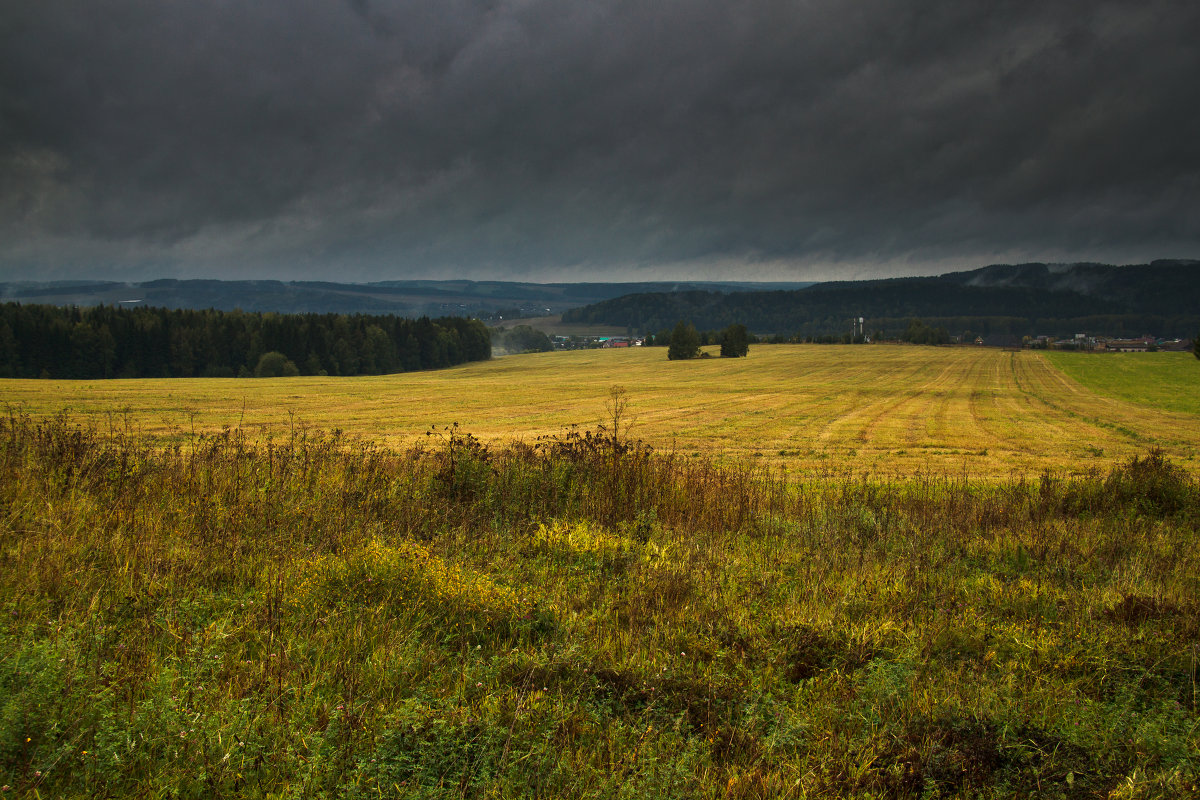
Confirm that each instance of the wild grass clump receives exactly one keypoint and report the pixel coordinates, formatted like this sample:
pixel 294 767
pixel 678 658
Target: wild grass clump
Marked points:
pixel 1148 486
pixel 581 616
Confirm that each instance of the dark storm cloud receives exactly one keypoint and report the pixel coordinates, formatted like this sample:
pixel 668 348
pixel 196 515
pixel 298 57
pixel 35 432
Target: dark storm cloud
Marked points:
pixel 539 137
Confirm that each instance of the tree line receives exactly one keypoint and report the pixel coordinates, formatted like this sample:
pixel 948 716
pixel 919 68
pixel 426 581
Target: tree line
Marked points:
pixel 110 342
pixel 1160 298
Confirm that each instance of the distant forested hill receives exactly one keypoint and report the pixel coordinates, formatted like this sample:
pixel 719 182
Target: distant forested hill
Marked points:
pixel 408 298
pixel 1161 298
pixel 106 342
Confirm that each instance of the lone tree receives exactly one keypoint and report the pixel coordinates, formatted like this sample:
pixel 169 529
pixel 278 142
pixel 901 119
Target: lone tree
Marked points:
pixel 735 341
pixel 1196 346
pixel 685 342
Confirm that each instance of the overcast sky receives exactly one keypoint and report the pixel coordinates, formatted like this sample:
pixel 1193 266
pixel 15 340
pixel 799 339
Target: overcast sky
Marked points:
pixel 593 139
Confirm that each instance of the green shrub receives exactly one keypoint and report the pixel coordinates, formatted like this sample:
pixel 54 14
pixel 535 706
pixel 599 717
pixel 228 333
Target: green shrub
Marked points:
pixel 275 365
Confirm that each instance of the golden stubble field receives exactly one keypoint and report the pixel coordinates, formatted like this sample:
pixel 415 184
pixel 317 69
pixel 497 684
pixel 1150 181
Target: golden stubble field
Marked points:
pixel 887 409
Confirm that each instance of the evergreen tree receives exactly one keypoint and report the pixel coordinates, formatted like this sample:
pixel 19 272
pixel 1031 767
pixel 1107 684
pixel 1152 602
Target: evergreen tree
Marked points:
pixel 735 341
pixel 685 342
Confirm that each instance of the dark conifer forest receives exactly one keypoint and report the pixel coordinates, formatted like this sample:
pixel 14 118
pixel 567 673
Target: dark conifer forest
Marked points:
pixel 110 342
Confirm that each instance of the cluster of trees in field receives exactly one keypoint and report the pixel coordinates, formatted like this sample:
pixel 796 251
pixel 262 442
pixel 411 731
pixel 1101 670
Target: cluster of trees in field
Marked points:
pixel 684 341
pixel 109 342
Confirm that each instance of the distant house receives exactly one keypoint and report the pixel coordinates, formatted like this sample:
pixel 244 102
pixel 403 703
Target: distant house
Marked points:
pixel 1129 345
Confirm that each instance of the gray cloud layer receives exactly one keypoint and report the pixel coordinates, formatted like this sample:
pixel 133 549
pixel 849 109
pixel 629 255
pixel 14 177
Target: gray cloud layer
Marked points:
pixel 539 138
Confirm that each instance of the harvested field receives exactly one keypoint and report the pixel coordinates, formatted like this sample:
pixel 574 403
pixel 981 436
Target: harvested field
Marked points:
pixel 891 410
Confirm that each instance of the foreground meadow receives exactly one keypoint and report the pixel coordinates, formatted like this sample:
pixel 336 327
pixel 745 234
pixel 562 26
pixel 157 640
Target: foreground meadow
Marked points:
pixel 888 410
pixel 311 615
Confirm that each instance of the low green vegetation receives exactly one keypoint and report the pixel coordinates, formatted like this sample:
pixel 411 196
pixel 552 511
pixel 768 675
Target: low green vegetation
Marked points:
pixel 1170 381
pixel 317 616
